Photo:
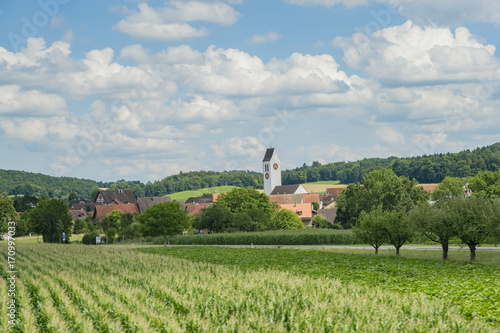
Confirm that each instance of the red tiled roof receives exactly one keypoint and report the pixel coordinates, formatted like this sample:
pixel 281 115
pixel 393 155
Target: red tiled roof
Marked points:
pixel 429 187
pixel 334 191
pixel 305 209
pixel 195 208
pixel 215 196
pixel 101 211
pixel 310 198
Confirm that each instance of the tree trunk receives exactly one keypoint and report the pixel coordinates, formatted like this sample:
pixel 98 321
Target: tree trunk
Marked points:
pixel 472 252
pixel 165 242
pixel 397 250
pixel 376 250
pixel 445 250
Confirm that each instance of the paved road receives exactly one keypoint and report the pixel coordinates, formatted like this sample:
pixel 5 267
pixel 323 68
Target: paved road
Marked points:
pixel 384 247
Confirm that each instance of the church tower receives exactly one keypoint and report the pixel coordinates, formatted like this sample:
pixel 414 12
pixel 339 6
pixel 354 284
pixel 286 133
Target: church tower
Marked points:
pixel 271 167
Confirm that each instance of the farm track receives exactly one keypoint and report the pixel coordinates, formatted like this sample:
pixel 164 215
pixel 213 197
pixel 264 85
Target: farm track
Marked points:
pixel 106 289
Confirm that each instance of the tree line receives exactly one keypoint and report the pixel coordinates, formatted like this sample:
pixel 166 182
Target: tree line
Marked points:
pixel 425 169
pixel 385 208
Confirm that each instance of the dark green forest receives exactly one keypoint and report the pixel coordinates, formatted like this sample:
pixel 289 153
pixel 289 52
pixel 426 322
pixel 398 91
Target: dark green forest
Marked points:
pixel 425 169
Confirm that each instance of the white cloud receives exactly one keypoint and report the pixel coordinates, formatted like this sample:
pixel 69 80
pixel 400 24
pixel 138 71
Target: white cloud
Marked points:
pixel 391 136
pixel 267 37
pixel 13 100
pixel 30 129
pixel 170 23
pixel 234 72
pixel 239 153
pixel 409 53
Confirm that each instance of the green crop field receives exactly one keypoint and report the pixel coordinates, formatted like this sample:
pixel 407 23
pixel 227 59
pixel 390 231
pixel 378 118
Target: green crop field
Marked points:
pixel 472 288
pixel 184 195
pixel 77 288
pixel 308 236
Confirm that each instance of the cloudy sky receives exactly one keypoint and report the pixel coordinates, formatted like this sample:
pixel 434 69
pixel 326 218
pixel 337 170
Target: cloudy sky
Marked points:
pixel 144 89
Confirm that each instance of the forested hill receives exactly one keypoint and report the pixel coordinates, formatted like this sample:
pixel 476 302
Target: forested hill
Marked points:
pixel 20 182
pixel 425 169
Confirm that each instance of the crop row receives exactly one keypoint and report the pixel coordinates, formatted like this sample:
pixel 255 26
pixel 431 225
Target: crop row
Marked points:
pixel 279 237
pixel 471 287
pixel 107 289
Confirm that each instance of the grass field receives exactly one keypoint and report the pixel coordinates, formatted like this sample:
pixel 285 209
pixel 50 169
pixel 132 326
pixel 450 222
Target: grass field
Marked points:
pixel 472 288
pixel 76 288
pixel 463 255
pixel 183 196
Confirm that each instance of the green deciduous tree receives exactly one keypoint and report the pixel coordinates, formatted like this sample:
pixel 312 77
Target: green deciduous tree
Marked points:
pixel 166 219
pixel 7 214
pixel 371 228
pixel 51 218
pixel 380 188
pixel 398 228
pixel 434 223
pixel 474 220
pixel 286 219
pixel 80 226
pixel 450 187
pixel 241 199
pixel 112 220
pixel 216 218
pixel 350 204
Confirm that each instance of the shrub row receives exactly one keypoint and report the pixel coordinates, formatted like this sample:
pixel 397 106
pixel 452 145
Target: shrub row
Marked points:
pixel 279 237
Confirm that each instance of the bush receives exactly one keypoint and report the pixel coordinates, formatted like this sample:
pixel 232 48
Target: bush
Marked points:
pixel 89 239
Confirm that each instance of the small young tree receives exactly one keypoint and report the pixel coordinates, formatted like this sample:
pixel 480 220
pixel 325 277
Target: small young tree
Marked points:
pixel 79 226
pixel 435 224
pixel 398 228
pixel 371 228
pixel 111 235
pixel 474 220
pixel 166 219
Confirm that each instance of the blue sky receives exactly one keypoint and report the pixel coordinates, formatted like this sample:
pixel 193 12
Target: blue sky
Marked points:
pixel 144 89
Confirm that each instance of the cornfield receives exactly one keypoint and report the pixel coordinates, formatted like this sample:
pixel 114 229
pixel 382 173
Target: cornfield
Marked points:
pixel 73 288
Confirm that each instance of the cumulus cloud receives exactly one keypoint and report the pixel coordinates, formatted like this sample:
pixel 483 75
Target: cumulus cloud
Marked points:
pixel 410 53
pixel 234 72
pixel 14 100
pixel 265 38
pixel 170 23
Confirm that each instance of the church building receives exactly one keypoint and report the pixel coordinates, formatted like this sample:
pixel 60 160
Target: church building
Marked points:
pixel 271 165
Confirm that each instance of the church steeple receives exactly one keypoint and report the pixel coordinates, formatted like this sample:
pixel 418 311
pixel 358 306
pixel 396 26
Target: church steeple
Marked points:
pixel 271 167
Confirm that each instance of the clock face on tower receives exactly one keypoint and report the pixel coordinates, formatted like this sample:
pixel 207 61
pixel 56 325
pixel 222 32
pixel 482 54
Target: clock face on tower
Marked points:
pixel 275 166
pixel 267 176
